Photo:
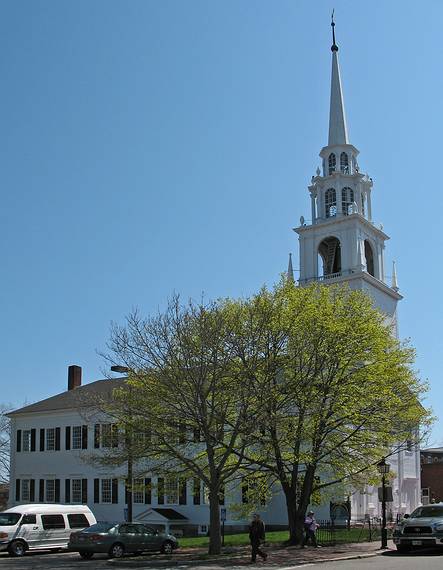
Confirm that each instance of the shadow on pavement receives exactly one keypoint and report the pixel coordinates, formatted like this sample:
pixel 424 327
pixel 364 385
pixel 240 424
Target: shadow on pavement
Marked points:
pixel 415 552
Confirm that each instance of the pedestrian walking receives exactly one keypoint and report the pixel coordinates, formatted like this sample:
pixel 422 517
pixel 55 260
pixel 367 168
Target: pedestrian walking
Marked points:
pixel 310 528
pixel 257 536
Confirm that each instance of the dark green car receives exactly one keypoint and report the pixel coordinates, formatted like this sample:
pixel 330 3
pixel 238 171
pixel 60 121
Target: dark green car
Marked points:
pixel 117 539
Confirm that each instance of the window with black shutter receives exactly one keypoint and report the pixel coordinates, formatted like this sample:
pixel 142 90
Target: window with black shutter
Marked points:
pixel 41 491
pixel 33 433
pixel 84 491
pixel 96 490
pixel 19 440
pixel 84 437
pixel 97 436
pixel 57 439
pixel 32 491
pixel 115 490
pixel 42 439
pixel 57 490
pixel 68 438
pixel 17 489
pixel 67 490
pixel 160 491
pixel 182 499
pixel 148 491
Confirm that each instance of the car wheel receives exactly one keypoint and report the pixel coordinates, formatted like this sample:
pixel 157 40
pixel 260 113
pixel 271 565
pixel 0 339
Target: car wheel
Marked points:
pixel 117 550
pixel 167 547
pixel 17 548
pixel 86 555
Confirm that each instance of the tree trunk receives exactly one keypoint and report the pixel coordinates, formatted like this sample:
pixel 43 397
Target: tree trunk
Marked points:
pixel 214 523
pixel 296 518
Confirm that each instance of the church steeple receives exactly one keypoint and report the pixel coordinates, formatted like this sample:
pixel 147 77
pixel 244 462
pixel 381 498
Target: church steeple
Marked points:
pixel 338 132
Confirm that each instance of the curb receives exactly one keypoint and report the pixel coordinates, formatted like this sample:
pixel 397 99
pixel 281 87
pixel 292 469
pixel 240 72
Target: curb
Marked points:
pixel 175 562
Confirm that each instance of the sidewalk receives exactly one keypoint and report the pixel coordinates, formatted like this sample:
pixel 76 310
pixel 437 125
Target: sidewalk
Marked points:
pixel 233 558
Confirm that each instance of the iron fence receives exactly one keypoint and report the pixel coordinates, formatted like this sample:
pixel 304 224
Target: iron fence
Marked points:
pixel 331 533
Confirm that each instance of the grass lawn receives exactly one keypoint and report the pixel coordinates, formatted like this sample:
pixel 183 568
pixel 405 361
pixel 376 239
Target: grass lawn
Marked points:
pixel 233 539
pixel 340 536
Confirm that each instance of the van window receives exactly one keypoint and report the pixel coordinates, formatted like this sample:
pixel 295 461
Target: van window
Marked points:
pixel 78 521
pixel 9 519
pixel 29 519
pixel 53 521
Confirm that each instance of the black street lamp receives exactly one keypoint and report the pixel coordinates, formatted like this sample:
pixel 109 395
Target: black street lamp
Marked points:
pixel 383 469
pixel 128 443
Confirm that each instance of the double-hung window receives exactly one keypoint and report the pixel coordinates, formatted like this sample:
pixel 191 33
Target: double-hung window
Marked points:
pixel 50 490
pixel 26 440
pixel 106 490
pixel 77 437
pixel 50 439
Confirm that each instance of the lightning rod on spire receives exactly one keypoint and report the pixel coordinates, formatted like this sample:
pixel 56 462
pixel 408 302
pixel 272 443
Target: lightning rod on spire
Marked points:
pixel 334 46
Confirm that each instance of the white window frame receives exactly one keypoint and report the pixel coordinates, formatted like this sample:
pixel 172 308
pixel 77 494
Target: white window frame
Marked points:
pixel 50 439
pixel 105 492
pixel 50 491
pixel 171 491
pixel 138 491
pixel 76 442
pixel 76 489
pixel 26 440
pixel 26 490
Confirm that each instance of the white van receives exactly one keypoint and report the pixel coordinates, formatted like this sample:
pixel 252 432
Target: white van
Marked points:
pixel 31 527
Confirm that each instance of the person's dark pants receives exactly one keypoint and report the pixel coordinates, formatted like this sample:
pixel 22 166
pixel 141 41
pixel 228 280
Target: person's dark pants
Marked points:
pixel 309 536
pixel 255 543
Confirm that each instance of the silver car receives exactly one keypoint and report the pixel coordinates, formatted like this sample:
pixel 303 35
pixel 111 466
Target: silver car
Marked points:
pixel 423 527
pixel 119 539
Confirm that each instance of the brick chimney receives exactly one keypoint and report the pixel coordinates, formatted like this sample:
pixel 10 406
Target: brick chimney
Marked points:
pixel 74 377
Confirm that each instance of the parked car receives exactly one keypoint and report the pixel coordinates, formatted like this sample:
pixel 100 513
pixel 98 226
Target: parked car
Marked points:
pixel 117 539
pixel 423 527
pixel 34 526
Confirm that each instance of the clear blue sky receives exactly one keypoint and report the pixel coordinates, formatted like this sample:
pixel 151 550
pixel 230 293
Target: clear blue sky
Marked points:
pixel 157 146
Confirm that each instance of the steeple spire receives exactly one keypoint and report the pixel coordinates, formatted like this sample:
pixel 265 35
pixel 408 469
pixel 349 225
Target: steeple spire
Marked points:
pixel 290 273
pixel 338 132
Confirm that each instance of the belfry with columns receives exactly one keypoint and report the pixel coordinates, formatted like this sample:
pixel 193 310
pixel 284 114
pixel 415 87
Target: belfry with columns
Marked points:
pixel 342 244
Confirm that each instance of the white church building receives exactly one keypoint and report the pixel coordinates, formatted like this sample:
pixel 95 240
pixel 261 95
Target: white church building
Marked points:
pixel 51 442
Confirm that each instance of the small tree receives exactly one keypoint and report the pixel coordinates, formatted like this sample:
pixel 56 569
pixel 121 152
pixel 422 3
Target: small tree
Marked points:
pixel 335 391
pixel 4 444
pixel 187 406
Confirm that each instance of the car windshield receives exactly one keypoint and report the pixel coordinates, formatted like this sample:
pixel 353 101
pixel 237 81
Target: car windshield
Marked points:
pixel 100 527
pixel 9 519
pixel 428 511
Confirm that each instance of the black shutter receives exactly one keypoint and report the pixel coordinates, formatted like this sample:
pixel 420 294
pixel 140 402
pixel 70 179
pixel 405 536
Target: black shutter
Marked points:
pixel 196 491
pixel 84 437
pixel 182 499
pixel 42 439
pixel 67 490
pixel 41 490
pixel 19 440
pixel 97 436
pixel 32 491
pixel 84 491
pixel 160 491
pixel 17 489
pixel 33 433
pixel 57 439
pixel 57 490
pixel 68 438
pixel 115 490
pixel 148 492
pixel 96 490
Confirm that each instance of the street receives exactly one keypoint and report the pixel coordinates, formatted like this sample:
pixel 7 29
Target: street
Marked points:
pixel 67 561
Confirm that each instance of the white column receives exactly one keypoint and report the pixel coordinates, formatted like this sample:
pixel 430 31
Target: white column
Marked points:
pixel 369 206
pixel 313 214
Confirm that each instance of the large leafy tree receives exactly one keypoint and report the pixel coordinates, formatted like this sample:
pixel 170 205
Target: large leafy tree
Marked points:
pixel 184 406
pixel 334 390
